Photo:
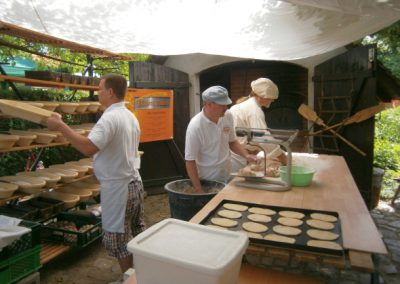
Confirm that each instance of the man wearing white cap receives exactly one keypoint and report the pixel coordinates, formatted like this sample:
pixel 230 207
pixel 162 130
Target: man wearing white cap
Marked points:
pixel 249 114
pixel 210 138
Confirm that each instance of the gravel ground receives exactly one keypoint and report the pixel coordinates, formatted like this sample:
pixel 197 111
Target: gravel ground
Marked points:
pixel 91 265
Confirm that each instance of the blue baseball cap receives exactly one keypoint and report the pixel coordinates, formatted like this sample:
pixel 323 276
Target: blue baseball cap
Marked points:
pixel 216 94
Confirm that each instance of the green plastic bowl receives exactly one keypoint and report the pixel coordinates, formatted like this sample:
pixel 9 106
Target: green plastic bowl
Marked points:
pixel 301 176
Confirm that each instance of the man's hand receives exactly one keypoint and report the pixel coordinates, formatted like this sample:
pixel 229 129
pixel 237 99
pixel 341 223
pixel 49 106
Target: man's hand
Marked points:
pixel 198 190
pixel 252 159
pixel 54 122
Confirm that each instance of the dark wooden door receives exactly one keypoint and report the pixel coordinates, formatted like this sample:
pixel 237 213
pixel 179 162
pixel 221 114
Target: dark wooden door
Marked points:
pixel 163 161
pixel 290 78
pixel 344 85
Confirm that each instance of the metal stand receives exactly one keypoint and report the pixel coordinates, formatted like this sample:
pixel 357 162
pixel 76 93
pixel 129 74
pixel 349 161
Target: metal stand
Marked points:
pixel 256 136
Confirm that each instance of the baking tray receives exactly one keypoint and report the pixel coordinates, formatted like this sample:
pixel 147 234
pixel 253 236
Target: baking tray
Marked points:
pixel 301 240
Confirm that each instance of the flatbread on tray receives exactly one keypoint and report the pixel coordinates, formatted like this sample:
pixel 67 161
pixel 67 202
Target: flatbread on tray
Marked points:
pixel 224 222
pixel 322 235
pixel 324 244
pixel 259 218
pixel 279 238
pixel 318 224
pixel 235 207
pixel 291 214
pixel 324 217
pixel 285 230
pixel 291 222
pixel 230 214
pixel 254 227
pixel 262 211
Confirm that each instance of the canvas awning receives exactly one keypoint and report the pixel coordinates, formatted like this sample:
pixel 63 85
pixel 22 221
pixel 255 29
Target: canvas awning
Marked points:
pixel 259 29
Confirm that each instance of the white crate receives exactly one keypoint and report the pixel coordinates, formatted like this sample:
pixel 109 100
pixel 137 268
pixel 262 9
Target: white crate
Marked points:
pixel 178 252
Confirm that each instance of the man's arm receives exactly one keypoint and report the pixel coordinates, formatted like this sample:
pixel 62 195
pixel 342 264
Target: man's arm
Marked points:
pixel 79 142
pixel 191 169
pixel 239 149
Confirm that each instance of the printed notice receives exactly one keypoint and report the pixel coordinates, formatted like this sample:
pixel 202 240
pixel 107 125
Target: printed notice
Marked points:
pixel 154 110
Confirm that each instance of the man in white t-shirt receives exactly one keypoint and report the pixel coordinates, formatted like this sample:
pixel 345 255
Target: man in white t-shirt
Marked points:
pixel 210 137
pixel 113 142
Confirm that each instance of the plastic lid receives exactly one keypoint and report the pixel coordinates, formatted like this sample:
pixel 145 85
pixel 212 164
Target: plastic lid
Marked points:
pixel 190 245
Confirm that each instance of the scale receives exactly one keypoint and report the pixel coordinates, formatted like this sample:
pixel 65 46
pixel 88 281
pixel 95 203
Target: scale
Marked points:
pixel 256 136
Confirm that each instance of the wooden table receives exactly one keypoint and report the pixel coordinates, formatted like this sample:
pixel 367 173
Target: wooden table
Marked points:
pixel 332 189
pixel 255 275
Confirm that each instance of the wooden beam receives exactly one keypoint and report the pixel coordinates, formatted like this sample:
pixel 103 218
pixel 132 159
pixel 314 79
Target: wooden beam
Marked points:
pixel 159 85
pixel 33 36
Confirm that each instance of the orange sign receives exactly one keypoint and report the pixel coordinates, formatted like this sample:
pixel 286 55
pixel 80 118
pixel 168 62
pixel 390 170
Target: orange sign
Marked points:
pixel 154 110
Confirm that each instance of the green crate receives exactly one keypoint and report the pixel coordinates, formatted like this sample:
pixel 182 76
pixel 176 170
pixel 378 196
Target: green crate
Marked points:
pixel 17 267
pixel 25 242
pixel 53 232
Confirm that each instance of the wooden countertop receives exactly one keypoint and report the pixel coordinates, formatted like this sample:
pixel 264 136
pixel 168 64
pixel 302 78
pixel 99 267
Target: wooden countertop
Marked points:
pixel 255 275
pixel 333 189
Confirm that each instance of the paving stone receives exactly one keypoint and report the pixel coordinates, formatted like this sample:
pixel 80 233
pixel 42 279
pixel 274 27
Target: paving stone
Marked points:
pixel 395 224
pixel 329 272
pixel 387 233
pixel 392 242
pixel 389 269
pixel 348 275
pixel 364 278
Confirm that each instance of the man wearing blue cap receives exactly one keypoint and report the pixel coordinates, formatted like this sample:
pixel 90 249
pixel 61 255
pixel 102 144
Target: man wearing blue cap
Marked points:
pixel 209 138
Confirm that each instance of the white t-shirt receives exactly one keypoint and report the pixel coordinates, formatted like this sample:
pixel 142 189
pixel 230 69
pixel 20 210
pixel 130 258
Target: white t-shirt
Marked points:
pixel 250 115
pixel 116 134
pixel 207 143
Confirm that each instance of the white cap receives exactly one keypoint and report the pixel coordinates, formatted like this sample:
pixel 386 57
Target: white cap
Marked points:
pixel 265 88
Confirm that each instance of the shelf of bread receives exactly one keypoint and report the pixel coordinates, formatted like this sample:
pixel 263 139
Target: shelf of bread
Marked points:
pixel 75 177
pixel 19 140
pixel 37 111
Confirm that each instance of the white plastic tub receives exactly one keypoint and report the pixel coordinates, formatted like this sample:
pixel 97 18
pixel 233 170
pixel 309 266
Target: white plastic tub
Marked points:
pixel 179 252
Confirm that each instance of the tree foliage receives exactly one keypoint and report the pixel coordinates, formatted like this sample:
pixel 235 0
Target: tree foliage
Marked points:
pixel 388 44
pixel 77 64
pixel 387 127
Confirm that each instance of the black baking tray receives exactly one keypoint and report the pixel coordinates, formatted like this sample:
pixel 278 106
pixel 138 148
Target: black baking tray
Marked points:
pixel 301 240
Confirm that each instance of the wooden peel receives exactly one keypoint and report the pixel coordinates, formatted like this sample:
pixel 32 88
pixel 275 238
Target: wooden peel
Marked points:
pixel 311 115
pixel 356 118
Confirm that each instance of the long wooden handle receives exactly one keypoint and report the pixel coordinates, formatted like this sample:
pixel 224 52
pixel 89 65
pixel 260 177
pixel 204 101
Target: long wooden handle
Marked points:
pixel 309 114
pixel 356 118
pixel 347 142
pixel 365 114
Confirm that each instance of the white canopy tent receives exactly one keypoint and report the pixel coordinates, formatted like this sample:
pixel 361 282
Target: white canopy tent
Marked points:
pixel 257 29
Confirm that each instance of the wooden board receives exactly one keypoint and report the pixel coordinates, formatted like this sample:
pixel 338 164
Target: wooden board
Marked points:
pixel 361 261
pixel 51 250
pixel 24 111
